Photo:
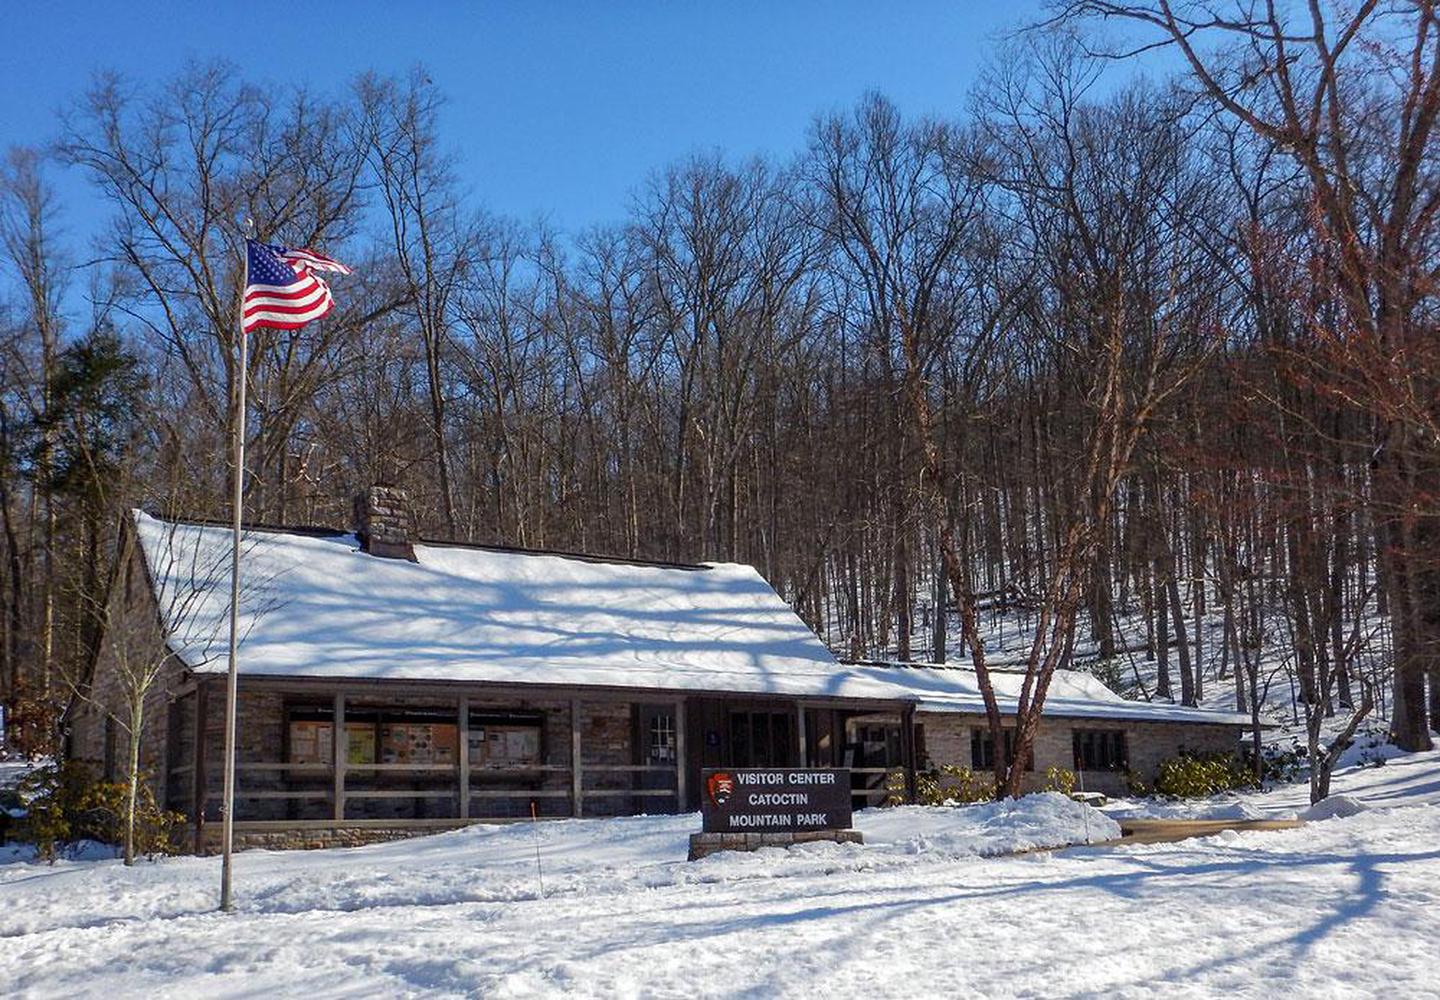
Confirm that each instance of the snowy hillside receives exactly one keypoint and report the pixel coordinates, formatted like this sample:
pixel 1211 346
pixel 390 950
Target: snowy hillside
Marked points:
pixel 1134 671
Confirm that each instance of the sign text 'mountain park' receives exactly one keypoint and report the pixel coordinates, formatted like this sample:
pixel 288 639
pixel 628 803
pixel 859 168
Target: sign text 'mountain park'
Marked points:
pixel 775 800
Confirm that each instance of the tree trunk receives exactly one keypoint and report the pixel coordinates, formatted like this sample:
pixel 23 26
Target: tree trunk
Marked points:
pixel 132 777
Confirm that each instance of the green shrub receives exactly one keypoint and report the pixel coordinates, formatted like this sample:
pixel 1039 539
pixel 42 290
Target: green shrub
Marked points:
pixel 1191 776
pixel 951 785
pixel 1059 779
pixel 65 804
pixel 1280 765
pixel 895 787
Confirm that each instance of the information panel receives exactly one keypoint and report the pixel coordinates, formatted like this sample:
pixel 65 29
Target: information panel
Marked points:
pixel 774 800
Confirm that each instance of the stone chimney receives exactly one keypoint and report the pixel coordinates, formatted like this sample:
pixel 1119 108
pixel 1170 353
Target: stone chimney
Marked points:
pixel 384 522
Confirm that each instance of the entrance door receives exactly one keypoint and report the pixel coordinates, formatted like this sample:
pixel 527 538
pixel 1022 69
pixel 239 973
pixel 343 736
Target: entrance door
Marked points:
pixel 655 746
pixel 762 739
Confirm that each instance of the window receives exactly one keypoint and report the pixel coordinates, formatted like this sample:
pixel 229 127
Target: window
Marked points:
pixel 662 739
pixel 1100 750
pixel 879 745
pixel 982 750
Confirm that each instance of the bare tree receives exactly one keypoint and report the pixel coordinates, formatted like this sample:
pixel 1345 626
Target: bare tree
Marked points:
pixel 190 575
pixel 1352 94
pixel 432 241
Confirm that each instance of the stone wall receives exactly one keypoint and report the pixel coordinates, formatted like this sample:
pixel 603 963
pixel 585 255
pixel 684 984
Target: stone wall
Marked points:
pixel 606 730
pixel 947 741
pixel 702 845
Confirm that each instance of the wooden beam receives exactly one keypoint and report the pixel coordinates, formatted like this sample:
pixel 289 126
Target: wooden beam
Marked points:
pixel 681 763
pixel 401 768
pixel 803 755
pixel 264 765
pixel 907 750
pixel 499 690
pixel 463 768
pixel 202 707
pixel 339 752
pixel 632 768
pixel 577 779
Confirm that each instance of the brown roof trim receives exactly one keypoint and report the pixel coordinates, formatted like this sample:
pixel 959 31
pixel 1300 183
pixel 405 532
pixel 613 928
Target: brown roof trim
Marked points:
pixel 591 557
pixel 321 531
pixel 308 530
pixel 540 690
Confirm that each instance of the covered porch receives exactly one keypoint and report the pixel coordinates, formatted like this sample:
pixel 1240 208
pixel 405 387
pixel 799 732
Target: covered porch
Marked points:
pixel 412 757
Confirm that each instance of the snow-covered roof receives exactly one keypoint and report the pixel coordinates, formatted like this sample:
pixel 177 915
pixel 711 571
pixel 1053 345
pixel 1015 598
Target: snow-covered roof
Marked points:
pixel 315 605
pixel 1072 694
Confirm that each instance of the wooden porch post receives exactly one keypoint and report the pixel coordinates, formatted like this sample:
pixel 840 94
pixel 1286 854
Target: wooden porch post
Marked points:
pixel 197 775
pixel 680 762
pixel 339 753
pixel 577 780
pixel 907 750
pixel 803 755
pixel 463 760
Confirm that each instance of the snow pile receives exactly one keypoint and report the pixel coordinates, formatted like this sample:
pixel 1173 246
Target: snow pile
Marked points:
pixel 1227 805
pixel 1032 823
pixel 1335 807
pixel 1370 747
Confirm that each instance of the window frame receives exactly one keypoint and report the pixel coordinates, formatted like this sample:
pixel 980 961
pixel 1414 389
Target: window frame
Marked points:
pixel 1100 749
pixel 982 749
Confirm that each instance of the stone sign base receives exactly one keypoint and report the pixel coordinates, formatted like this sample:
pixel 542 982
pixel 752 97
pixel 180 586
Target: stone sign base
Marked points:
pixel 702 844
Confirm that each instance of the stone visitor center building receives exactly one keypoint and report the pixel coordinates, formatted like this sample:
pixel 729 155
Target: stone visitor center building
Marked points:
pixel 477 682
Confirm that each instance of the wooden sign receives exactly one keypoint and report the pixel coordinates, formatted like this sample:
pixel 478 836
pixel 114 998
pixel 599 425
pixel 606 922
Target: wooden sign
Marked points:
pixel 774 800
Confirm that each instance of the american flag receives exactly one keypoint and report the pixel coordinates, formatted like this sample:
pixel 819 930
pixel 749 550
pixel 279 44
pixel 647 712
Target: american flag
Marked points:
pixel 282 291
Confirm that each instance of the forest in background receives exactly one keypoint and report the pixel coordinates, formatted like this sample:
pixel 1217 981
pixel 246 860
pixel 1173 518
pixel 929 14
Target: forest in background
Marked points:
pixel 1094 349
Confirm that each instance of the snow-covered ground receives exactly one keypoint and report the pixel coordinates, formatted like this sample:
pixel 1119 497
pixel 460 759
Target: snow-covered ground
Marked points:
pixel 1343 906
pixel 1388 777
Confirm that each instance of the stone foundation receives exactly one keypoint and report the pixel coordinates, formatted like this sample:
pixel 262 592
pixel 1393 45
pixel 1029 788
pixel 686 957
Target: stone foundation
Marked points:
pixel 704 844
pixel 319 838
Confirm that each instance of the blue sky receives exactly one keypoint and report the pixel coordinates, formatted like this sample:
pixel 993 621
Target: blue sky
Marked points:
pixel 556 110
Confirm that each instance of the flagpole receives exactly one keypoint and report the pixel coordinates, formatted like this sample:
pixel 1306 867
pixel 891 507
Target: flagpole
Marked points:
pixel 232 685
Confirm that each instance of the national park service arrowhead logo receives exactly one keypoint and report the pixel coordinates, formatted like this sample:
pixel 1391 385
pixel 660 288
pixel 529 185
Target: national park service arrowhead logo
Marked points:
pixel 719 787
